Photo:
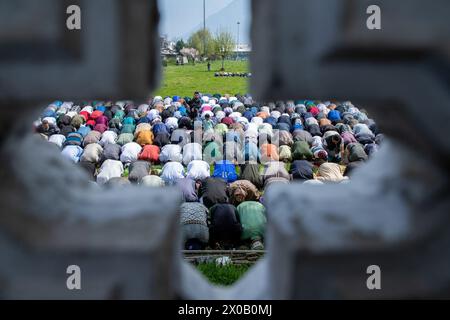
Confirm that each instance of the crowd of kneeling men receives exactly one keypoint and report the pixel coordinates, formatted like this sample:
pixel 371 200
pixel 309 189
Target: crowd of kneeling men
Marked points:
pixel 221 151
pixel 233 74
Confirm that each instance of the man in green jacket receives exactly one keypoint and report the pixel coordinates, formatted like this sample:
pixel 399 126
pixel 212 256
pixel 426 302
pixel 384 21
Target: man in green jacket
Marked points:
pixel 253 220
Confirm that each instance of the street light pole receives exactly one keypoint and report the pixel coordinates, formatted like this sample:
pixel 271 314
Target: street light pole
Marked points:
pixel 237 44
pixel 204 28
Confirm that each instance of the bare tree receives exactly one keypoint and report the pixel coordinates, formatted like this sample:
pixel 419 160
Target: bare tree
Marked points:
pixel 223 45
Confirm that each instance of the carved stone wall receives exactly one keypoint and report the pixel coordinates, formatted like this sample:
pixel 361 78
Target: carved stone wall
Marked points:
pixel 394 212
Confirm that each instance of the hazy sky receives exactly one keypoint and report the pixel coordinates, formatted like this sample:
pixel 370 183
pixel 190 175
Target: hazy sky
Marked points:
pixel 180 16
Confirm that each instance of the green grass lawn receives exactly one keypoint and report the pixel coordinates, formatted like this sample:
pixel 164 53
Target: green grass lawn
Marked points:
pixel 186 79
pixel 222 275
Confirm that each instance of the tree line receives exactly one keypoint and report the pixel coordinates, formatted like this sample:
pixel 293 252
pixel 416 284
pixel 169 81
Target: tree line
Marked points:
pixel 205 46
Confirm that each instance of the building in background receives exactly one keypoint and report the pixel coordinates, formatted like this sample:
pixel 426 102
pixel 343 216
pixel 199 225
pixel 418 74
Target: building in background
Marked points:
pixel 242 51
pixel 167 49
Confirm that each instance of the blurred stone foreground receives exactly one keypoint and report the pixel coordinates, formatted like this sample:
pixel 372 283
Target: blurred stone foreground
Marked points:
pixel 394 213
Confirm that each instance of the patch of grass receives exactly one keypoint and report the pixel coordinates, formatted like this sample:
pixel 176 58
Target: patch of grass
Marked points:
pixel 211 170
pixel 184 80
pixel 222 275
pixel 287 165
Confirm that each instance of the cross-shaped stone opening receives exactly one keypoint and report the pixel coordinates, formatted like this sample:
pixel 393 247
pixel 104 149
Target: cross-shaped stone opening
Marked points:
pixel 318 252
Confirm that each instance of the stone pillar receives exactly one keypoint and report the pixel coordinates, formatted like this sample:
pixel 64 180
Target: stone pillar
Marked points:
pixel 394 211
pixel 124 240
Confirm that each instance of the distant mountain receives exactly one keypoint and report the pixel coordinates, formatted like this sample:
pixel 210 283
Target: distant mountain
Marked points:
pixel 226 19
